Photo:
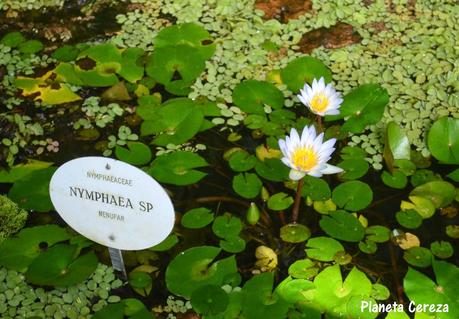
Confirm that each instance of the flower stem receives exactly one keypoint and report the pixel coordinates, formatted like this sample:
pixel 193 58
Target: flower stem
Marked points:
pixel 296 204
pixel 320 127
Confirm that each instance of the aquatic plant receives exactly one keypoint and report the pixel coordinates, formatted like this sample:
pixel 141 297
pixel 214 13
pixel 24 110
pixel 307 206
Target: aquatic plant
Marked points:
pixel 12 218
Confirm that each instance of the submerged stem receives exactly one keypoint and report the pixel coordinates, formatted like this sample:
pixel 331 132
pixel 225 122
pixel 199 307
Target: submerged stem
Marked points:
pixel 296 204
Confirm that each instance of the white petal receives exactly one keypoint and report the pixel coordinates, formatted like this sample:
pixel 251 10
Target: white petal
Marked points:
pixel 302 99
pixel 330 169
pixel 296 175
pixel 294 137
pixel 283 147
pixel 332 112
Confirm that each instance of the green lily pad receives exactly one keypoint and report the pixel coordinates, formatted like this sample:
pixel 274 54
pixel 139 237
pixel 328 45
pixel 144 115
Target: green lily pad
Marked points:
pixel 424 206
pixel 136 154
pixel 352 153
pixel 66 53
pixel 280 201
pixel 247 185
pixel 362 107
pixel 227 225
pixel 454 175
pixel 304 70
pixel 166 244
pixel 12 39
pixel 131 68
pixel 102 53
pixel 178 168
pixel 397 145
pixel 353 195
pixel 441 193
pixel 17 253
pixel 294 291
pixel 242 161
pixel 197 218
pixel 251 96
pixel 259 300
pixel 323 248
pixel 368 246
pixel 59 267
pixel 409 218
pixel 418 256
pixel 233 244
pixel 316 188
pixel 407 167
pixel 187 33
pixel 353 168
pixel 141 282
pixel 32 190
pixel 131 308
pixel 443 140
pixel 18 171
pixel 423 176
pixel 380 292
pixel 30 46
pixel 294 233
pixel 396 180
pixel 303 269
pixel 342 225
pixel 95 78
pixel 442 249
pixel 377 233
pixel 272 169
pixel 191 270
pixel 209 300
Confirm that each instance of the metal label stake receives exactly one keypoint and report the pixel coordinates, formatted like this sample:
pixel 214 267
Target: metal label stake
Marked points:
pixel 116 257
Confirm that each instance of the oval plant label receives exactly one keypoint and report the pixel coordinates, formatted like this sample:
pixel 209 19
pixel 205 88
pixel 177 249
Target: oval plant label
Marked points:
pixel 112 203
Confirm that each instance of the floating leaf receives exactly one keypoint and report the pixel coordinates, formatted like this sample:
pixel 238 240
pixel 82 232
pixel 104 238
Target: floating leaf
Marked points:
pixel 442 249
pixel 407 241
pixel 443 140
pixel 423 206
pixel 396 180
pixel 397 145
pixel 423 176
pixel 66 53
pixel 353 168
pixel 368 246
pixel 280 201
pixel 191 270
pixel 418 256
pixel 304 70
pixel 441 193
pixel 323 248
pixel 136 154
pixel 209 300
pixel 30 47
pixel 294 233
pixel 141 282
pixel 166 244
pixel 197 218
pixel 12 39
pixel 353 195
pixel 409 218
pixel 343 226
pixel 272 169
pixel 178 168
pixel 242 161
pixel 226 226
pixel 232 244
pixel 378 234
pixel 454 175
pixel 352 153
pixel 131 69
pixel 58 267
pixel 380 292
pixel 251 96
pixel 247 185
pixel 32 190
pixel 315 188
pixel 117 92
pixel 127 308
pixel 303 269
pixel 18 171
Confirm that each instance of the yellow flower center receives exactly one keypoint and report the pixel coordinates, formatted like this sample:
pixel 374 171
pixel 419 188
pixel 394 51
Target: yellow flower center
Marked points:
pixel 319 103
pixel 304 158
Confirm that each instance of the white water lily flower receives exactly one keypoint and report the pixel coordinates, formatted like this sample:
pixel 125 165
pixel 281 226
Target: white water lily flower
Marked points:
pixel 321 99
pixel 308 154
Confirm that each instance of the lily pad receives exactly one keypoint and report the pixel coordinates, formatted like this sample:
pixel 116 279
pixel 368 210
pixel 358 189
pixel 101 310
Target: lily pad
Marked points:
pixel 378 234
pixel 443 140
pixel 66 53
pixel 197 218
pixel 342 225
pixel 272 169
pixel 454 175
pixel 418 256
pixel 242 161
pixel 209 300
pixel 304 70
pixel 131 68
pixel 380 292
pixel 323 248
pixel 136 154
pixel 441 193
pixel 368 246
pixel 141 282
pixel 397 145
pixel 166 244
pixel 353 168
pixel 247 185
pixel 18 171
pixel 409 218
pixel 396 180
pixel 127 308
pixel 226 226
pixel 442 249
pixel 294 233
pixel 316 188
pixel 59 267
pixel 303 269
pixel 423 206
pixel 12 39
pixel 280 201
pixel 353 195
pixel 232 244
pixel 178 168
pixel 251 96
pixel 192 269
pixel 32 190
pixel 30 46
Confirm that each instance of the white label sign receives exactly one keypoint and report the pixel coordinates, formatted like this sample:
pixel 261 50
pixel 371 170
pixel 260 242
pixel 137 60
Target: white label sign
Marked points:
pixel 112 203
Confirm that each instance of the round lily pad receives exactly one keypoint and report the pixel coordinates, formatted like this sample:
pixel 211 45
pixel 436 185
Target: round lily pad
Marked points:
pixel 353 195
pixel 191 269
pixel 323 248
pixel 12 39
pixel 66 53
pixel 303 269
pixel 316 188
pixel 441 193
pixel 294 233
pixel 304 70
pixel 226 226
pixel 166 244
pixel 353 168
pixel 197 218
pixel 59 267
pixel 280 201
pixel 377 233
pixel 418 256
pixel 139 279
pixel 380 292
pixel 409 218
pixel 209 300
pixel 342 225
pixel 368 246
pixel 232 244
pixel 241 161
pixel 397 142
pixel 251 96
pixel 272 169
pixel 247 185
pixel 396 180
pixel 136 153
pixel 442 249
pixel 30 47
pixel 443 140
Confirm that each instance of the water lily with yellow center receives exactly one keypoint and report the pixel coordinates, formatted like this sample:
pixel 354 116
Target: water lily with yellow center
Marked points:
pixel 307 154
pixel 321 99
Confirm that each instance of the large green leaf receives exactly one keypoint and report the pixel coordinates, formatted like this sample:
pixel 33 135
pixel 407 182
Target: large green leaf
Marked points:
pixel 443 140
pixel 304 70
pixel 191 270
pixel 226 226
pixel 397 145
pixel 272 169
pixel 323 248
pixel 342 225
pixel 136 154
pixel 178 168
pixel 209 300
pixel 251 96
pixel 32 190
pixel 247 185
pixel 280 201
pixel 197 218
pixel 316 188
pixel 441 193
pixel 241 161
pixel 131 68
pixel 18 171
pixel 353 195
